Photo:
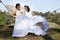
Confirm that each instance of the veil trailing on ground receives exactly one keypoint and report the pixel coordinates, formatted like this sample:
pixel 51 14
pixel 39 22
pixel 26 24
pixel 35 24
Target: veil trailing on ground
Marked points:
pixel 8 7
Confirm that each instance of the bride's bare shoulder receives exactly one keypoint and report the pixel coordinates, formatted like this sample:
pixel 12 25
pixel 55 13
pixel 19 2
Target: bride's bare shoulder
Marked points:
pixel 15 10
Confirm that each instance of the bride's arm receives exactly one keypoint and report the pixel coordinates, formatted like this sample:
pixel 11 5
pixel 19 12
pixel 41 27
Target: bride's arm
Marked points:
pixel 12 13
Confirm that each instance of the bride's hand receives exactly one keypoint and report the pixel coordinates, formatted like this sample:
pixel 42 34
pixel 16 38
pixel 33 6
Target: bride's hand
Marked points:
pixel 21 15
pixel 14 16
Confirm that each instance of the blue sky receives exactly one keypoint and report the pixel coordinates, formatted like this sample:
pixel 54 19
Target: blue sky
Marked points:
pixel 35 5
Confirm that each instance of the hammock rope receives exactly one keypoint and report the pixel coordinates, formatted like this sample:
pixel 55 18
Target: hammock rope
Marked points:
pixel 8 7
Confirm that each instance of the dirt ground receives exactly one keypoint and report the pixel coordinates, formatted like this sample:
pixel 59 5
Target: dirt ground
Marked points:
pixel 52 34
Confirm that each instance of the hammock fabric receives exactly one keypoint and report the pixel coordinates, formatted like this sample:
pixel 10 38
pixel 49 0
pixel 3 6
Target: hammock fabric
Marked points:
pixel 9 7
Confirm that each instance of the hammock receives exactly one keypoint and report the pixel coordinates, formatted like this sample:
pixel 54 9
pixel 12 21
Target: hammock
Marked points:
pixel 9 7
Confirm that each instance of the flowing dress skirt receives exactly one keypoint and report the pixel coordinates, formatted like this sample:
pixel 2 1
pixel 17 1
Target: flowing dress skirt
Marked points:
pixel 20 28
pixel 35 28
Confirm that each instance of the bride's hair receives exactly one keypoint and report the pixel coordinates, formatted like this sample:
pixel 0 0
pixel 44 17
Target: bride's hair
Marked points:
pixel 27 8
pixel 17 5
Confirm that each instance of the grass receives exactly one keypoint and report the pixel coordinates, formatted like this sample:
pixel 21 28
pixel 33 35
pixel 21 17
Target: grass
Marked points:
pixel 52 34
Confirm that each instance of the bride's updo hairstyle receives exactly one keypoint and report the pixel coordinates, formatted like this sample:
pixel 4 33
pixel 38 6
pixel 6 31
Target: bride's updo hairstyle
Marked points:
pixel 28 9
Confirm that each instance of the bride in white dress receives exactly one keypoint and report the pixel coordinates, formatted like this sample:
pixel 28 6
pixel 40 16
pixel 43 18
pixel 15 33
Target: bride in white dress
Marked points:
pixel 20 28
pixel 37 24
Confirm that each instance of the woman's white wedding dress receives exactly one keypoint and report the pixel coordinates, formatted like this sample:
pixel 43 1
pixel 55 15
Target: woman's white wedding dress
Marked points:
pixel 20 28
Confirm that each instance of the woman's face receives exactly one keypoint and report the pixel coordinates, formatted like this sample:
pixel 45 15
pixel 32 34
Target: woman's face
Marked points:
pixel 18 7
pixel 25 8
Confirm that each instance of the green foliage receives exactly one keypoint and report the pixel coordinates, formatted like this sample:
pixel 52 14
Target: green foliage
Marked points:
pixel 57 18
pixel 1 19
pixel 5 18
pixel 50 16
